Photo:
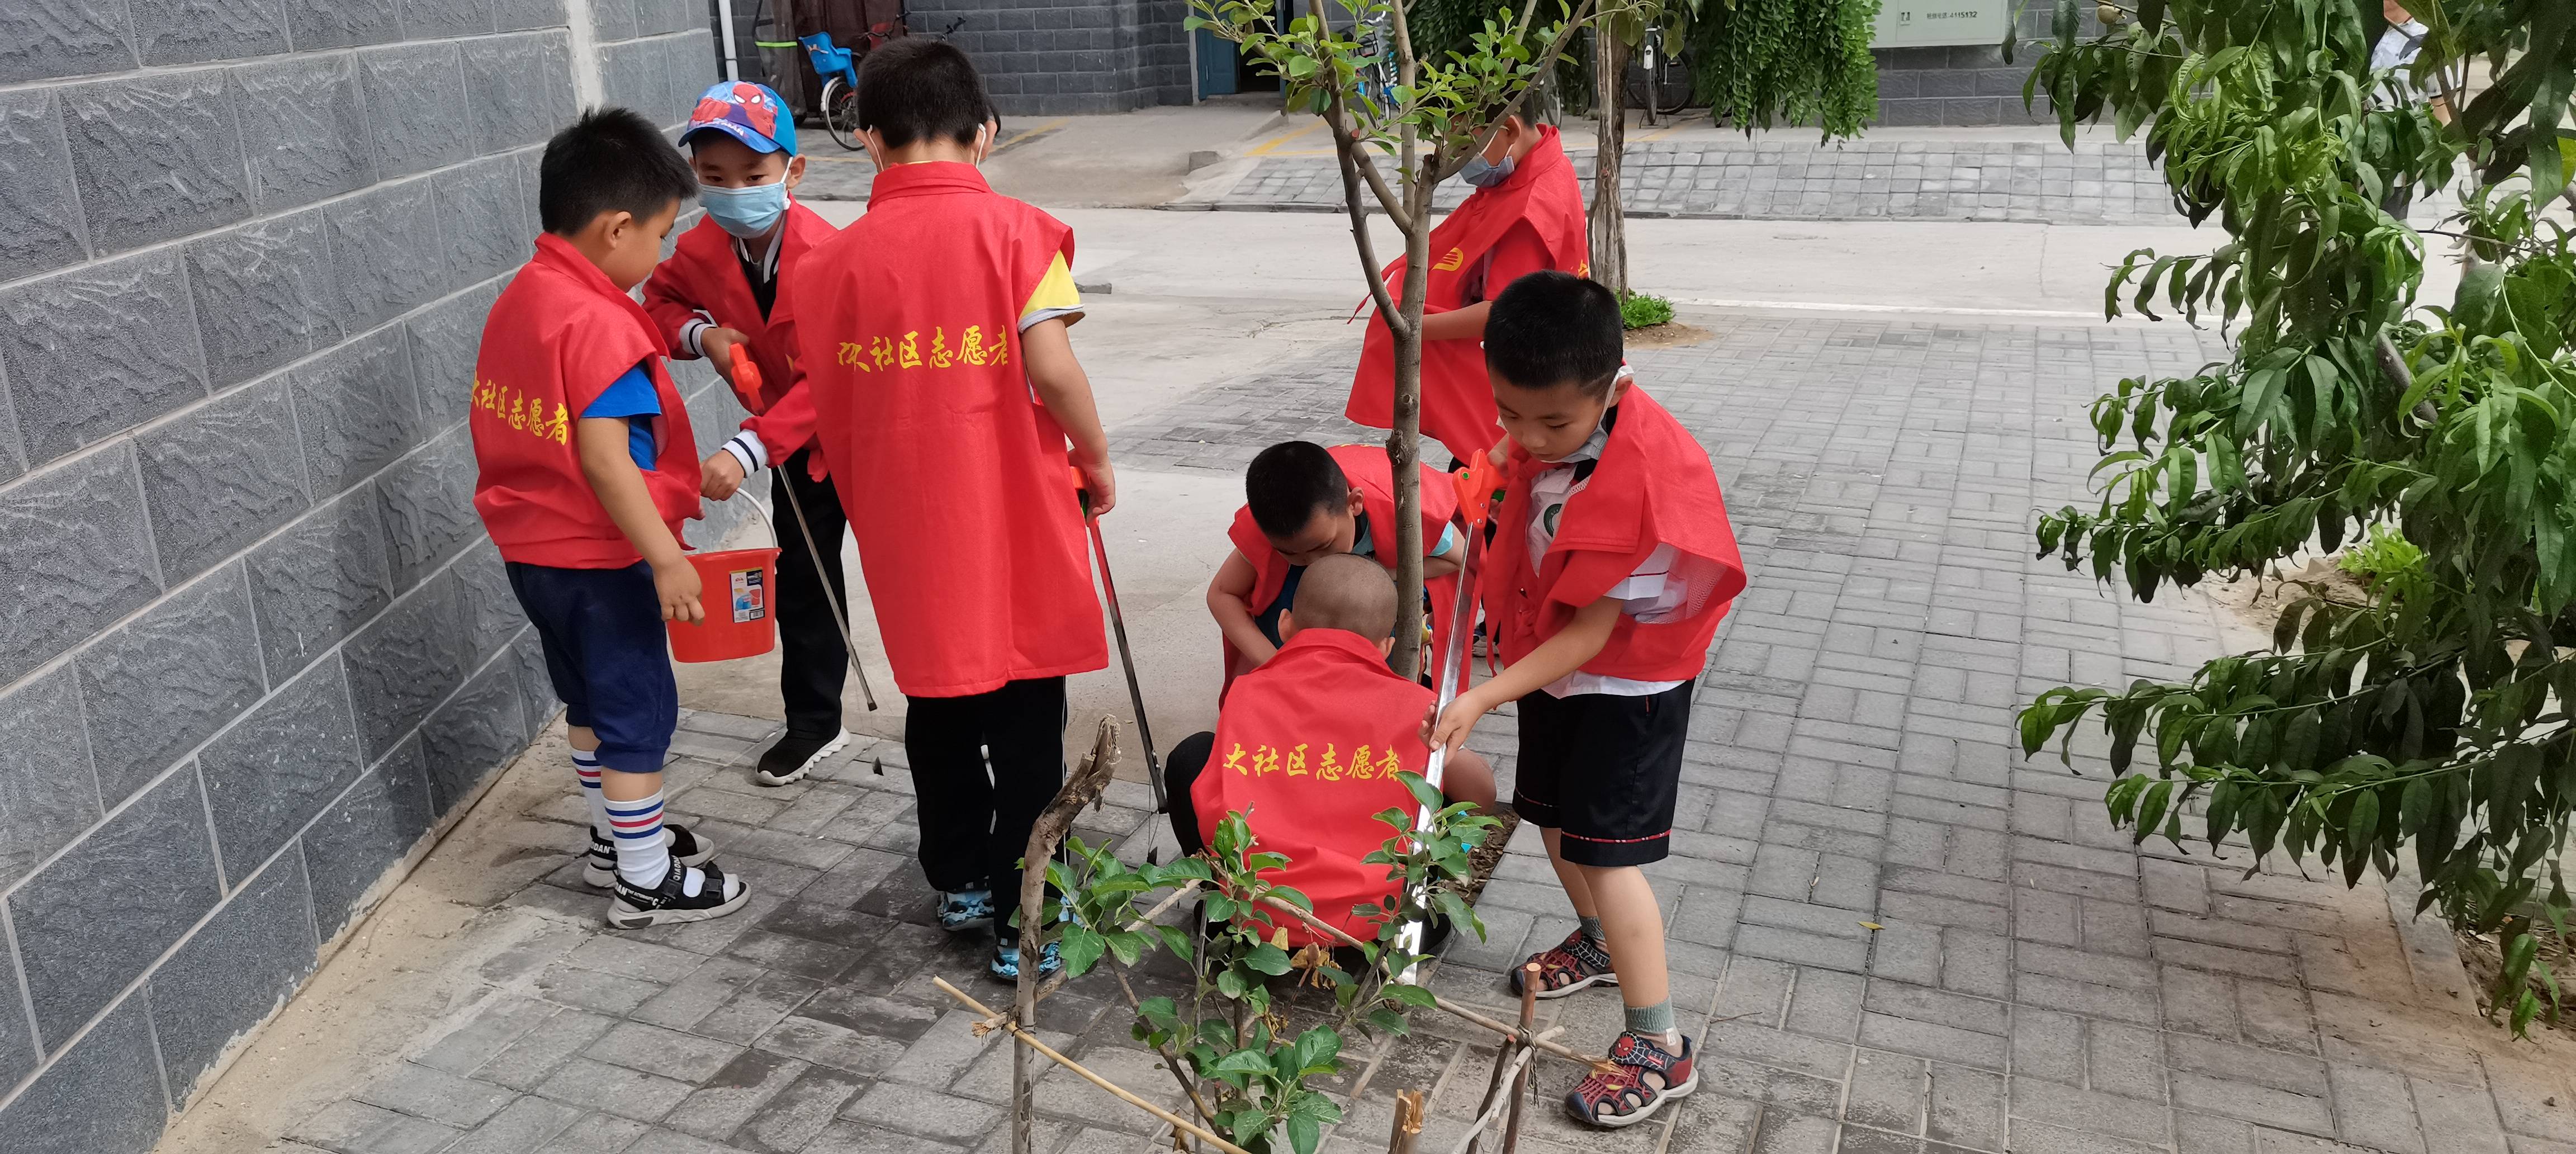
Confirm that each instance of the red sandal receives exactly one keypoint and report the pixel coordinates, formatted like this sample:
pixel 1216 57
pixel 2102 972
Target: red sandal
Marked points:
pixel 1624 1096
pixel 1576 963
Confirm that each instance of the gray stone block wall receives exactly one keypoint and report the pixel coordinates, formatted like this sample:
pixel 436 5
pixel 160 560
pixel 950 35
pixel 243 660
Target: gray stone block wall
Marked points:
pixel 1053 57
pixel 1970 86
pixel 257 645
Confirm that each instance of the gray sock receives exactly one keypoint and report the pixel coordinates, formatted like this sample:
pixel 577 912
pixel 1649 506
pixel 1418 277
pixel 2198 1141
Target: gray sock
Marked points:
pixel 1655 1021
pixel 1592 930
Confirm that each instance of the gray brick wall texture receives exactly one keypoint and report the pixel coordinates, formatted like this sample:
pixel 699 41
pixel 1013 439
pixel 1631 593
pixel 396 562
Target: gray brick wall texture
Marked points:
pixel 1053 57
pixel 1970 86
pixel 257 646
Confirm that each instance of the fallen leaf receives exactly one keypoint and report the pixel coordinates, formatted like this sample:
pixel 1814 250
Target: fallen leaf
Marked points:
pixel 1872 926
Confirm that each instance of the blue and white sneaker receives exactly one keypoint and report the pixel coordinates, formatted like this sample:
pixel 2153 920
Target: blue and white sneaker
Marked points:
pixel 1006 961
pixel 965 909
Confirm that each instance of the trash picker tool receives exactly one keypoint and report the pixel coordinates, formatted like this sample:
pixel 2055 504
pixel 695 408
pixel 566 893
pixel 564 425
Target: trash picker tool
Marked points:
pixel 746 388
pixel 1126 657
pixel 1475 487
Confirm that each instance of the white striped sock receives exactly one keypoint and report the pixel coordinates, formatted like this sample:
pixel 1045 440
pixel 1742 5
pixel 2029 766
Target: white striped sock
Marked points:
pixel 636 827
pixel 585 765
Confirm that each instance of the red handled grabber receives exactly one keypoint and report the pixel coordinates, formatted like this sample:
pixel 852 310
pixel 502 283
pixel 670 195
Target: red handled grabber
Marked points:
pixel 1126 657
pixel 746 388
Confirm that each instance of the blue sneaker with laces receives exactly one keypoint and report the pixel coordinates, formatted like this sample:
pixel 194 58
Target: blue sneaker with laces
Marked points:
pixel 1006 961
pixel 965 909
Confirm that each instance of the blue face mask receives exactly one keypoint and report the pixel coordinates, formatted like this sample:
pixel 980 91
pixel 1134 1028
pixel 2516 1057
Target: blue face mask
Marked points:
pixel 1484 173
pixel 745 212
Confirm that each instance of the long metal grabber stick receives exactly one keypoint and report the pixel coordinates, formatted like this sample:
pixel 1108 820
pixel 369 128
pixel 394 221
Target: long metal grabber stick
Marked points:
pixel 1473 511
pixel 746 385
pixel 1126 657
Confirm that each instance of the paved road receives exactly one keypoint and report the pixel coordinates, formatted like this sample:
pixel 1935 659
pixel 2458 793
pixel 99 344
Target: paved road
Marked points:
pixel 2033 982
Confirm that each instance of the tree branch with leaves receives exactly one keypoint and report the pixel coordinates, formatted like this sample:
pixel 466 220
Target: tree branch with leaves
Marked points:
pixel 1394 145
pixel 2429 718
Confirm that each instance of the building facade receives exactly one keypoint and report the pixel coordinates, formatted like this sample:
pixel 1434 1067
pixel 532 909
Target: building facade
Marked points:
pixel 1939 64
pixel 257 647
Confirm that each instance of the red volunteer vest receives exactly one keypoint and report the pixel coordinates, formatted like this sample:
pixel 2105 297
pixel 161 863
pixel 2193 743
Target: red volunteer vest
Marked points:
pixel 1457 397
pixel 1307 748
pixel 555 340
pixel 1367 469
pixel 703 275
pixel 956 481
pixel 1653 487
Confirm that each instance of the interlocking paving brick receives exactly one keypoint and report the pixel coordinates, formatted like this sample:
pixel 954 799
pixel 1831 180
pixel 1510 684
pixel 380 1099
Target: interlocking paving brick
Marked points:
pixel 522 1125
pixel 928 1113
pixel 437 1095
pixel 358 1128
pixel 614 1089
pixel 668 1053
pixel 1850 764
pixel 1801 180
pixel 735 1094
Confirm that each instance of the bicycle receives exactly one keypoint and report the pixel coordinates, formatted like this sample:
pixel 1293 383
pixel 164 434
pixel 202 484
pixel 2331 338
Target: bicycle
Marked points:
pixel 839 101
pixel 839 68
pixel 1376 40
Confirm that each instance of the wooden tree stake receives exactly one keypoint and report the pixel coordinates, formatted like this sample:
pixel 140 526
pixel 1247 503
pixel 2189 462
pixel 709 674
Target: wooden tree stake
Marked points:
pixel 1029 1041
pixel 1408 1122
pixel 1520 1082
pixel 1081 789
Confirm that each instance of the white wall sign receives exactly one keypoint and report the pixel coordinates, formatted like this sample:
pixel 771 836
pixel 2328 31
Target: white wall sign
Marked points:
pixel 1934 23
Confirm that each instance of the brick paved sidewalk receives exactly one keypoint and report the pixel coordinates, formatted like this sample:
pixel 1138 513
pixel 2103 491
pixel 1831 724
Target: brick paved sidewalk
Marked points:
pixel 1783 177
pixel 2033 982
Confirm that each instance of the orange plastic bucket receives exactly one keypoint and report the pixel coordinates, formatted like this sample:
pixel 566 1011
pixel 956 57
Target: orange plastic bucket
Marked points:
pixel 739 596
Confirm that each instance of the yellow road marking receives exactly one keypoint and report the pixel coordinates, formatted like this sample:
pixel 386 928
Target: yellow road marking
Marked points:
pixel 1028 134
pixel 1271 146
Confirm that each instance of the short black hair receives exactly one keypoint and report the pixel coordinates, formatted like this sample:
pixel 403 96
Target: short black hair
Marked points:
pixel 1550 329
pixel 915 88
pixel 1289 482
pixel 610 160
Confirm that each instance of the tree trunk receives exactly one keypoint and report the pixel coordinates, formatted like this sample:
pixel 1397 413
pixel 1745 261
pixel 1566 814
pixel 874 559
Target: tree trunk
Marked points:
pixel 1404 441
pixel 1609 237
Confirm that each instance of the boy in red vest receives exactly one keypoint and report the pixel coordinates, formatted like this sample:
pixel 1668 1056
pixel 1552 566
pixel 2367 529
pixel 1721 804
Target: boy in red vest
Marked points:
pixel 1308 745
pixel 587 469
pixel 1526 214
pixel 1612 563
pixel 1302 503
pixel 713 299
pixel 931 335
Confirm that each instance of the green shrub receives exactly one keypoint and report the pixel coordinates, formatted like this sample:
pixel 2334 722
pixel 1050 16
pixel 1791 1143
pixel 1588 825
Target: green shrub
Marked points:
pixel 1644 310
pixel 2387 553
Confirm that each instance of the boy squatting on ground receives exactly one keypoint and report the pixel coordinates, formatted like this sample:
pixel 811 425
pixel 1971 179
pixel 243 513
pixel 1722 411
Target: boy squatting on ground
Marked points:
pixel 713 298
pixel 1308 745
pixel 586 470
pixel 1303 503
pixel 931 341
pixel 1612 563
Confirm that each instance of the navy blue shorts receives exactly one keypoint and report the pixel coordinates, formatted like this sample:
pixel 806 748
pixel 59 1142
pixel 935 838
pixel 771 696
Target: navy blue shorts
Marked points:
pixel 609 656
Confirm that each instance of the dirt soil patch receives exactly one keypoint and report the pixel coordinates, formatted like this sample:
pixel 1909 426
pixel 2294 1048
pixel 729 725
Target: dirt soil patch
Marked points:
pixel 1481 863
pixel 2258 601
pixel 1668 335
pixel 2483 958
